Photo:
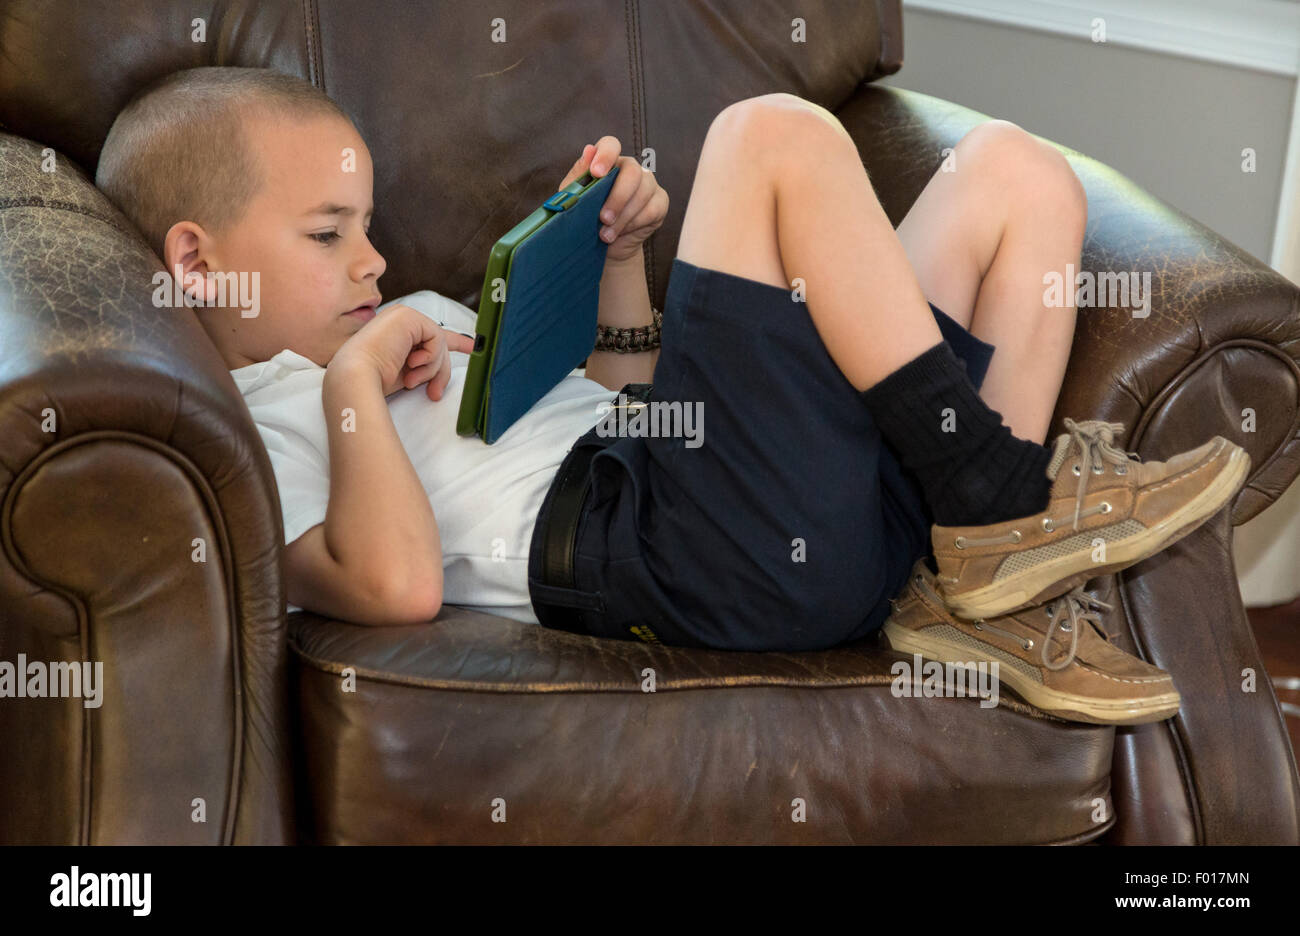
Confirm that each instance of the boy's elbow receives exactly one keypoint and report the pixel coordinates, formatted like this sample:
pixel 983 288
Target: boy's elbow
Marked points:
pixel 423 603
pixel 432 606
pixel 401 602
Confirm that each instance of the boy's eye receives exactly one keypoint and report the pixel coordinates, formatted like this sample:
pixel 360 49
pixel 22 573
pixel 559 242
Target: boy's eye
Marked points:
pixel 325 237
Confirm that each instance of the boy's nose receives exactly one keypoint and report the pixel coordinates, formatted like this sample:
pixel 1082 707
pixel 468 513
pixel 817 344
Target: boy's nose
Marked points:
pixel 370 263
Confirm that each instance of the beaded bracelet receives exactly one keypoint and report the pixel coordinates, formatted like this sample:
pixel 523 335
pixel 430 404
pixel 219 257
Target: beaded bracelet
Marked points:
pixel 630 340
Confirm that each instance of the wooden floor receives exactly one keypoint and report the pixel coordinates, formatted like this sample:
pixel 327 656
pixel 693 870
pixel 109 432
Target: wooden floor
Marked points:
pixel 1277 630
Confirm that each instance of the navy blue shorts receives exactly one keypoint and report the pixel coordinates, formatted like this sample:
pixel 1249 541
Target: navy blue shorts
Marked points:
pixel 790 524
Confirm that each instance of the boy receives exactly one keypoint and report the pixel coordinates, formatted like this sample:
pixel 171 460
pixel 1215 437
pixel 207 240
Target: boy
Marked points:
pixel 846 414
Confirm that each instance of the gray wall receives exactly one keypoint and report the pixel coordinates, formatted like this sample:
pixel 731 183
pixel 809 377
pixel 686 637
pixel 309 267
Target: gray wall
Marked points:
pixel 1174 126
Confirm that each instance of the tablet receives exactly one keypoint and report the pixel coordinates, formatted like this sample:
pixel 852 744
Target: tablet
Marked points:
pixel 537 311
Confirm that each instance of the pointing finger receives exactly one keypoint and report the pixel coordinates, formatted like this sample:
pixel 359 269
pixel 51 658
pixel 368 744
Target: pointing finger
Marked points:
pixel 458 341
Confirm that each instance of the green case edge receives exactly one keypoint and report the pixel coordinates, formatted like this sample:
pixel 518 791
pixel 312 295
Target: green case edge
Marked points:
pixel 471 418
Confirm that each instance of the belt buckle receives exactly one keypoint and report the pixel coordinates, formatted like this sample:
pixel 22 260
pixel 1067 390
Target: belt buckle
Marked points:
pixel 635 396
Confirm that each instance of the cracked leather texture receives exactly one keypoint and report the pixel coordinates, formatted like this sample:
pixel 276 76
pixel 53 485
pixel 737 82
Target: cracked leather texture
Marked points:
pixel 126 439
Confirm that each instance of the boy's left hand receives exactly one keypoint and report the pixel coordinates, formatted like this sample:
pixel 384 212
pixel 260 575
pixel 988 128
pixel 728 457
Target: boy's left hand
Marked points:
pixel 636 205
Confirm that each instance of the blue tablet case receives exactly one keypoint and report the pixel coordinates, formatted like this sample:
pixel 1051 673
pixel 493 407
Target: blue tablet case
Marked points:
pixel 547 325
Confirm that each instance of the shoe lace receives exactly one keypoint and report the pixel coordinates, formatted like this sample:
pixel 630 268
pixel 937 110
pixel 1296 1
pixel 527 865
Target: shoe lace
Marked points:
pixel 1079 607
pixel 926 587
pixel 1096 440
pixel 1076 604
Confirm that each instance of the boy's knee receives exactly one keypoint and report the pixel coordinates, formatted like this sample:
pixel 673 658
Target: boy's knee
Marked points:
pixel 780 122
pixel 1015 160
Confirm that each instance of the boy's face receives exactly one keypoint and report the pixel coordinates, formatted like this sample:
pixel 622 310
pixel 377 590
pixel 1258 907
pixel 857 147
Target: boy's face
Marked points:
pixel 304 234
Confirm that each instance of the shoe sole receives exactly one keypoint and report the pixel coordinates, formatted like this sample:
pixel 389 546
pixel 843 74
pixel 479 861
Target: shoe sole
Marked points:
pixel 1057 576
pixel 1067 705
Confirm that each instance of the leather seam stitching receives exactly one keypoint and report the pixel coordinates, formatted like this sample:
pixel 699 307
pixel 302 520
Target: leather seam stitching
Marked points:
pixel 758 682
pixel 636 74
pixel 37 201
pixel 311 38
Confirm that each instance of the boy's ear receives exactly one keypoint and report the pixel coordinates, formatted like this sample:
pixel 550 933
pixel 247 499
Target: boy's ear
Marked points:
pixel 188 246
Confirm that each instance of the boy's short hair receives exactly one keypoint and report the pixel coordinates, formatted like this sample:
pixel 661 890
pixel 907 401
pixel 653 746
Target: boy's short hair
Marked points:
pixel 179 150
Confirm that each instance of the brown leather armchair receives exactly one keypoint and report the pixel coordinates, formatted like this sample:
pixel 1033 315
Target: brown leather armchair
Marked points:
pixel 125 441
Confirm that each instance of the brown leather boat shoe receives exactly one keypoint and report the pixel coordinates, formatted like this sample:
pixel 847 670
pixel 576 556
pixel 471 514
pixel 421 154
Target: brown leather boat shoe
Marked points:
pixel 1057 657
pixel 1107 511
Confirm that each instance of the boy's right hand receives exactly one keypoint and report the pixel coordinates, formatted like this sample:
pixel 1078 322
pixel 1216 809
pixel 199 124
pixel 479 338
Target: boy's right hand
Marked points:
pixel 405 348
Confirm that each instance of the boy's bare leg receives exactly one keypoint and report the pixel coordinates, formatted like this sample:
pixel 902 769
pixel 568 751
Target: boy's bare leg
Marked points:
pixel 832 233
pixel 981 238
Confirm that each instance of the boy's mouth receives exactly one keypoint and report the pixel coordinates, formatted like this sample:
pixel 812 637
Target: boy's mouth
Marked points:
pixel 366 311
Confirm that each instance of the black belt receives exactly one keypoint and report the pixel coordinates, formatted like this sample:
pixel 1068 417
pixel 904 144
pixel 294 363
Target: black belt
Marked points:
pixel 551 569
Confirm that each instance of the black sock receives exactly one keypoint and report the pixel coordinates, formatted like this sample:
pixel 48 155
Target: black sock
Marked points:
pixel 976 472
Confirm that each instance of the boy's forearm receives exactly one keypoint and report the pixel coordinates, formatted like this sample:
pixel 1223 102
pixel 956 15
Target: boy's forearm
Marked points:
pixel 624 303
pixel 379 524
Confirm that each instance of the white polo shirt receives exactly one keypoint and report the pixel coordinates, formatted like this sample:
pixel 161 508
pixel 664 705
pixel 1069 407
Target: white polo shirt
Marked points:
pixel 485 498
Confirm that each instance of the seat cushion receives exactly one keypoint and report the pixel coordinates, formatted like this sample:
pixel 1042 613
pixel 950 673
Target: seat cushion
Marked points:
pixel 473 728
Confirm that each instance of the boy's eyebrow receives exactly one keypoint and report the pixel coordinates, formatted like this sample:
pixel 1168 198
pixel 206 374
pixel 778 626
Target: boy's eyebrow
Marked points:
pixel 329 208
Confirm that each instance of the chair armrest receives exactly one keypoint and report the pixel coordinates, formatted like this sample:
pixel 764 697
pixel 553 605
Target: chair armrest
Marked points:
pixel 1222 337
pixel 1216 356
pixel 141 531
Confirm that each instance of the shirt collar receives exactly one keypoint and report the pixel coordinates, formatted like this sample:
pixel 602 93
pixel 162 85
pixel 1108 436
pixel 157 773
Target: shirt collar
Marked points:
pixel 254 376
